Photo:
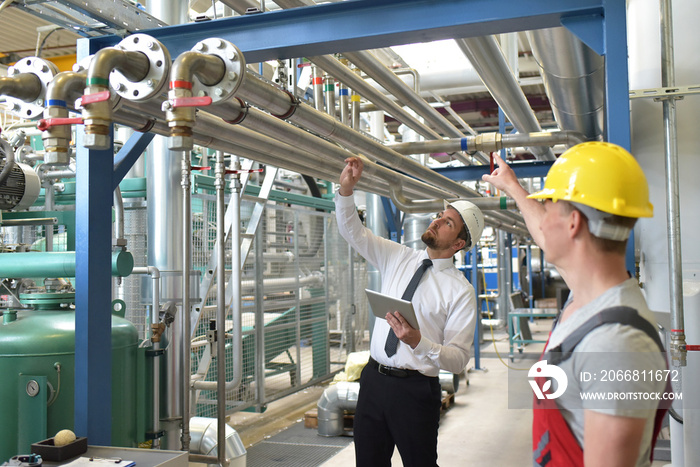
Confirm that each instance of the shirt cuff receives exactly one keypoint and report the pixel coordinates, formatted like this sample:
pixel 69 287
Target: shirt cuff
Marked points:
pixel 344 201
pixel 423 348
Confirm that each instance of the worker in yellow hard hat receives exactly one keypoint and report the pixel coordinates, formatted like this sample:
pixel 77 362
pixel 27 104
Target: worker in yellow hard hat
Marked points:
pixel 590 408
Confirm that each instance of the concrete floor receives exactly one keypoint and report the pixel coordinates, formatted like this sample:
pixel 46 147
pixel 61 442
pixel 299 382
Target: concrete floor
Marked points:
pixel 478 429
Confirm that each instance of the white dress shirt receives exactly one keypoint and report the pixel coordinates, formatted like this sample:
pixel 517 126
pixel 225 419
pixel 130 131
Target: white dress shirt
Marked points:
pixel 444 301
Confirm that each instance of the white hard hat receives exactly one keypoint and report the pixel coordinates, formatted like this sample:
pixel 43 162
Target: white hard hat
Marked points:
pixel 471 215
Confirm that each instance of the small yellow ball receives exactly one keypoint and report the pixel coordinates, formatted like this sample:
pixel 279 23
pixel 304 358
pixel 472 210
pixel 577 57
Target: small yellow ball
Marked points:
pixel 63 437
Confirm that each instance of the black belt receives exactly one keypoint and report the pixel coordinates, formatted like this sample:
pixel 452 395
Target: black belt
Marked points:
pixel 391 371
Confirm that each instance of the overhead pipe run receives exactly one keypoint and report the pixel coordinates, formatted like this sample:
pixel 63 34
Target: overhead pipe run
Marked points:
pixel 574 80
pixel 487 58
pixel 490 142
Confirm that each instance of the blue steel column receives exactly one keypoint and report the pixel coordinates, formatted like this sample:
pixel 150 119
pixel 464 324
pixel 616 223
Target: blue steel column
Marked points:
pixel 93 284
pixel 477 328
pixel 617 102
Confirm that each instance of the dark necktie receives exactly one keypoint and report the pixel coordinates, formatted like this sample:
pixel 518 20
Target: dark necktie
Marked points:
pixel 392 341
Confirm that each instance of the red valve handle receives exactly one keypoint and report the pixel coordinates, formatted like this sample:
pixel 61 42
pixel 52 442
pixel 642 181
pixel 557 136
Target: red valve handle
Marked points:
pixel 199 101
pixel 96 97
pixel 46 123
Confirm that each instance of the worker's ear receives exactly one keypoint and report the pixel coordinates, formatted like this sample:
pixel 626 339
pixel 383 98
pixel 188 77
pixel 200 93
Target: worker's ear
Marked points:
pixel 459 244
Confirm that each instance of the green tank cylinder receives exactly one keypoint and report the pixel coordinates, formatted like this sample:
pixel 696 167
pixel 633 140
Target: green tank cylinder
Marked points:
pixel 42 344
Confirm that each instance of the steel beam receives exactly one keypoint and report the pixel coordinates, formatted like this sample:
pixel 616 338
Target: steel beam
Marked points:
pixel 362 24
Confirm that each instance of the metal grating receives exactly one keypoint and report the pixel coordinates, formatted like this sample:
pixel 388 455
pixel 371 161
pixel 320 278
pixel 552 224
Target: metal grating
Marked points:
pixel 136 290
pixel 296 303
pixel 297 446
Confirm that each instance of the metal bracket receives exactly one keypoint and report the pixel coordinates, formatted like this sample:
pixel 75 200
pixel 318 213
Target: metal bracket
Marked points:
pixel 659 94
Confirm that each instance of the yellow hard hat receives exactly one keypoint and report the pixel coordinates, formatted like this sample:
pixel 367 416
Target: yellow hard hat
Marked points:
pixel 601 175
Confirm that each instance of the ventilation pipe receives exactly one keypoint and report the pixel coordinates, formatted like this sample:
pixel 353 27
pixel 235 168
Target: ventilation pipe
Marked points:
pixel 487 58
pixel 574 80
pixel 334 401
pixel 205 442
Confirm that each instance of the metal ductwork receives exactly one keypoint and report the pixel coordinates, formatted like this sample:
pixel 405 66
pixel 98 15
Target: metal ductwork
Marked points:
pixel 204 442
pixel 335 400
pixel 486 56
pixel 574 79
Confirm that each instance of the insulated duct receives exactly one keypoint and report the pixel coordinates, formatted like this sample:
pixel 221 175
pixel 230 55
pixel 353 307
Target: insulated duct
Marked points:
pixel 336 399
pixel 574 80
pixel 204 442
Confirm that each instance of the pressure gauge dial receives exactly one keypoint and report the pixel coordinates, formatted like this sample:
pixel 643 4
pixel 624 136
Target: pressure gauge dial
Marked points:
pixel 32 388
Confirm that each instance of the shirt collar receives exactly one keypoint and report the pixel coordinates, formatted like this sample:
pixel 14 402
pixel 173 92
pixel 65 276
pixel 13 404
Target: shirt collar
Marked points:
pixel 440 263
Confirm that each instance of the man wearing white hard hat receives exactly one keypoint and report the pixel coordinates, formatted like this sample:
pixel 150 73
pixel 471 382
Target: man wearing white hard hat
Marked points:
pixel 399 400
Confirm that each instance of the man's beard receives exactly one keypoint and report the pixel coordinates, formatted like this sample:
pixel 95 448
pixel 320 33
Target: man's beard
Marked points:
pixel 429 239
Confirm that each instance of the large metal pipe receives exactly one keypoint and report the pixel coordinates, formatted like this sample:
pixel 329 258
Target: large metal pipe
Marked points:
pixel 25 86
pixel 405 95
pixel 574 80
pixel 278 102
pixel 486 56
pixel 673 210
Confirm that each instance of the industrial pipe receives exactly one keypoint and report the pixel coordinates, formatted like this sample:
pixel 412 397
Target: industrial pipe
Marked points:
pixel 574 80
pixel 155 331
pixel 56 264
pixel 206 442
pixel 25 86
pixel 334 401
pixel 186 171
pixel 677 346
pixel 487 58
pixel 490 142
pixel 137 67
pixel 97 109
pixel 63 90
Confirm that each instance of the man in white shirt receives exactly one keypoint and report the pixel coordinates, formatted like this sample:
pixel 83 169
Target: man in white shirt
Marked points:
pixel 399 400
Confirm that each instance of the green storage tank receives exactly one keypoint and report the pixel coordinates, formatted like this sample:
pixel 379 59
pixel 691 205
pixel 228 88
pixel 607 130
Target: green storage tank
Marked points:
pixel 37 368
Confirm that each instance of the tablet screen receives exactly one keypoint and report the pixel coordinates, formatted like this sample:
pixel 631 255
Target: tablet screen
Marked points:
pixel 382 304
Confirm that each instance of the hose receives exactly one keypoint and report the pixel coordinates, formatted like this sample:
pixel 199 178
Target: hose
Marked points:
pixel 9 161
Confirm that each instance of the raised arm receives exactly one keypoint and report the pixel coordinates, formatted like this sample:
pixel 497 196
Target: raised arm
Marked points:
pixel 505 180
pixel 350 175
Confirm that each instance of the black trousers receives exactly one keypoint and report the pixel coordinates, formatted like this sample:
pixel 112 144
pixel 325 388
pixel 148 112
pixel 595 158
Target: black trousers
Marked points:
pixel 401 412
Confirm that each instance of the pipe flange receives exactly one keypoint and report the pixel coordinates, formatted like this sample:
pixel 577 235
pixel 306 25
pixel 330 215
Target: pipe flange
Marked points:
pixel 45 71
pixel 235 68
pixel 155 81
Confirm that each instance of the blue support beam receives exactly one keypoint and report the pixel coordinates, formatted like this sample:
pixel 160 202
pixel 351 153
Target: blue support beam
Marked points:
pixel 362 24
pixel 93 283
pixel 128 154
pixel 474 172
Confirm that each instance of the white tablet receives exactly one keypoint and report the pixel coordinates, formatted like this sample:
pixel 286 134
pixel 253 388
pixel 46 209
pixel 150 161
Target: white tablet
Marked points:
pixel 382 304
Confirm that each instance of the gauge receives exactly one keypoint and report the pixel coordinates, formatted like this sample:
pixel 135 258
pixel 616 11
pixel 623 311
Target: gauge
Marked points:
pixel 32 388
